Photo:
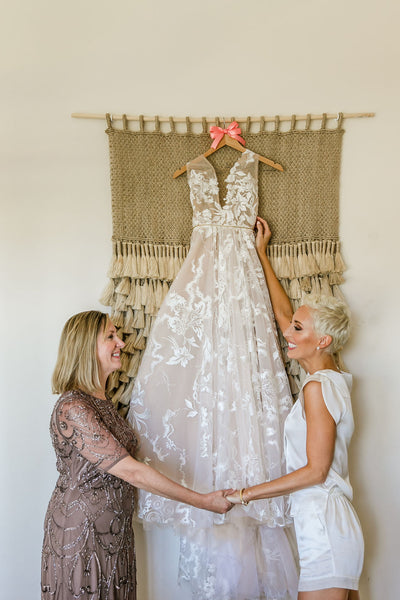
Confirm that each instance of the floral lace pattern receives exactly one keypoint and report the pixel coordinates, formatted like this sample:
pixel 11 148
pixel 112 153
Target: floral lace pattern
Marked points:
pixel 239 209
pixel 212 395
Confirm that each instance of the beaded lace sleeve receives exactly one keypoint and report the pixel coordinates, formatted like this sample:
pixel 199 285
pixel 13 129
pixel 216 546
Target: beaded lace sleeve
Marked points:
pixel 76 424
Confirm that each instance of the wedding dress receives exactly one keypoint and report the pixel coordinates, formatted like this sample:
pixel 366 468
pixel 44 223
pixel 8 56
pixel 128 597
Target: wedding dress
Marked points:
pixel 211 397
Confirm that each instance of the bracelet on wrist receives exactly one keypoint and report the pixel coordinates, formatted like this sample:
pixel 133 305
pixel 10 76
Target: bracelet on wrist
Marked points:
pixel 242 500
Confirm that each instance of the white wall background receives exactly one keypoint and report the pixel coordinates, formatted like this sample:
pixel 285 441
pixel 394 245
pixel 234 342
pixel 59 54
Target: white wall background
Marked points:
pixel 184 58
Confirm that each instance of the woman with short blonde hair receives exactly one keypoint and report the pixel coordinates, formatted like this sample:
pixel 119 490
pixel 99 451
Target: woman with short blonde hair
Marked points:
pixel 331 316
pixel 317 435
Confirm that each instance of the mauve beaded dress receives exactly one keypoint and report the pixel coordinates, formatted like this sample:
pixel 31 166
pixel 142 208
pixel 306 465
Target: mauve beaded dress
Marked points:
pixel 88 547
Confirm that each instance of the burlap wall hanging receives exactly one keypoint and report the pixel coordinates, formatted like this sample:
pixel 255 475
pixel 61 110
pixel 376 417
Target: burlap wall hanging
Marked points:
pixel 152 217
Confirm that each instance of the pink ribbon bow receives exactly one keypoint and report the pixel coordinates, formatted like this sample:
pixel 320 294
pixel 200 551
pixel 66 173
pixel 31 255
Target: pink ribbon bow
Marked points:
pixel 233 130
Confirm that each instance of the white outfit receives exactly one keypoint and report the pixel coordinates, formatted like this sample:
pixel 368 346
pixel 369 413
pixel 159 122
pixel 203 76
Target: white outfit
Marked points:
pixel 211 398
pixel 328 531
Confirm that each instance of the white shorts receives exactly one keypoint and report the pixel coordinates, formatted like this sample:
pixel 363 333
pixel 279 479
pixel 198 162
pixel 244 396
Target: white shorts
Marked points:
pixel 329 539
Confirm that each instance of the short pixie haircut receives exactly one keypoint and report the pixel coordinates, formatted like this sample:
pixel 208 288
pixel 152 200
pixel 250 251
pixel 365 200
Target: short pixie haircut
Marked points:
pixel 77 365
pixel 330 317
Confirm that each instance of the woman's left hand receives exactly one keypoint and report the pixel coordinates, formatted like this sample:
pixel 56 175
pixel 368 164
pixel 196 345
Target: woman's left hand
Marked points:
pixel 263 235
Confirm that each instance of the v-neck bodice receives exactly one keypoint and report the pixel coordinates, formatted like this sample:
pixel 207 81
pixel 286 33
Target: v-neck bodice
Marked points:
pixel 241 200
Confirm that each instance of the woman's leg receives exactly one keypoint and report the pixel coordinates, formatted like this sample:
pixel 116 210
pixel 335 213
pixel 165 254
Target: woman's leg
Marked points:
pixel 328 594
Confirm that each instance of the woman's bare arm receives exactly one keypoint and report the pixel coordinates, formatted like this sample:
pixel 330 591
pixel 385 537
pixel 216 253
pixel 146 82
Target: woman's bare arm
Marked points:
pixel 320 445
pixel 280 302
pixel 145 477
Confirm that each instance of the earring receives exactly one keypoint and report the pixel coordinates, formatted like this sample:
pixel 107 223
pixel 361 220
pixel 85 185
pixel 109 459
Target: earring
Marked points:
pixel 318 348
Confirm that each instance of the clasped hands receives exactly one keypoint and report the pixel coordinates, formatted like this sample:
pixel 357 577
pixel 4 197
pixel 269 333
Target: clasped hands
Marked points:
pixel 222 501
pixel 236 496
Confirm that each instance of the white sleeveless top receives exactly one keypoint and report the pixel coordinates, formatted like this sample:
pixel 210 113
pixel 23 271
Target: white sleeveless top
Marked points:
pixel 336 389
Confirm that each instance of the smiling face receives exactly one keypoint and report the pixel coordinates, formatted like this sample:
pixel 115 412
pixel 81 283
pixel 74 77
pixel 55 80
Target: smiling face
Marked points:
pixel 108 350
pixel 301 337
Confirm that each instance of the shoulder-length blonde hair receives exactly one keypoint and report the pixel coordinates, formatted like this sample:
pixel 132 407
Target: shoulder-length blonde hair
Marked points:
pixel 77 366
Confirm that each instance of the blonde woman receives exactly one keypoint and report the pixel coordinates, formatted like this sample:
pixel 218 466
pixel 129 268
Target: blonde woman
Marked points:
pixel 88 548
pixel 317 435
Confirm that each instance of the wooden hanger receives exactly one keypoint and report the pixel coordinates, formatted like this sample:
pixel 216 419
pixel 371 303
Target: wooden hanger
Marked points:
pixel 232 143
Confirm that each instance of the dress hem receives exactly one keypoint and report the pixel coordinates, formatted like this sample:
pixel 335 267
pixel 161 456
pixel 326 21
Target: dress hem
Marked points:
pixel 323 583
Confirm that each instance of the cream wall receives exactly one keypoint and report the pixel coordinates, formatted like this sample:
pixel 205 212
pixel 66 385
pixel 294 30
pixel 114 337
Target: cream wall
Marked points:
pixel 185 58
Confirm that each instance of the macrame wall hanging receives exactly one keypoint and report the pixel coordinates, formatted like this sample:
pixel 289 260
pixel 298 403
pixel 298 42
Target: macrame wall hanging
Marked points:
pixel 152 219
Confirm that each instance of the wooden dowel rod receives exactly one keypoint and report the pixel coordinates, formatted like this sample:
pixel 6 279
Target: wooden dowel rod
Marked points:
pixel 212 119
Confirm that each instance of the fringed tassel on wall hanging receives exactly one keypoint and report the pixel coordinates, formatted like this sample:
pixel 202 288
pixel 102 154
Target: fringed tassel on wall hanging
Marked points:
pixel 307 267
pixel 152 220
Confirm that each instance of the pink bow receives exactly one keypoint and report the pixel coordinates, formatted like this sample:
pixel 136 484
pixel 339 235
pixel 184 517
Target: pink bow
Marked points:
pixel 233 130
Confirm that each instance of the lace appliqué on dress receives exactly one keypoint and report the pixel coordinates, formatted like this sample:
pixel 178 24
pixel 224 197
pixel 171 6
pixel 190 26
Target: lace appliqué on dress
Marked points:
pixel 212 395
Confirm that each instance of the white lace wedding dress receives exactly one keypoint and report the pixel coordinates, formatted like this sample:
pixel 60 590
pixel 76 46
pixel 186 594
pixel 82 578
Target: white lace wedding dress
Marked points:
pixel 211 397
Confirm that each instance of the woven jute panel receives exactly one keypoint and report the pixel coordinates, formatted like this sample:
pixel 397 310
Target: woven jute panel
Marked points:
pixel 148 205
pixel 152 221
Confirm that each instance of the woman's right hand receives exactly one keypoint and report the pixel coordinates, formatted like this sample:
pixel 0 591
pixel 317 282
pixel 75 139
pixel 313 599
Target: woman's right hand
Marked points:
pixel 263 235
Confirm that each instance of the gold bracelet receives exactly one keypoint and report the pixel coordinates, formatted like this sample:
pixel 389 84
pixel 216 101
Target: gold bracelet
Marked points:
pixel 242 501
